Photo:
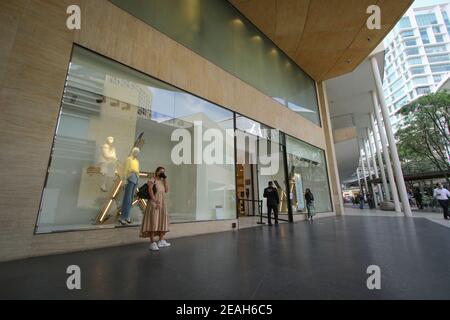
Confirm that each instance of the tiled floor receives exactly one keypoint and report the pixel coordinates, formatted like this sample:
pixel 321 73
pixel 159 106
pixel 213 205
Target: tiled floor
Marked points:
pixel 436 217
pixel 327 259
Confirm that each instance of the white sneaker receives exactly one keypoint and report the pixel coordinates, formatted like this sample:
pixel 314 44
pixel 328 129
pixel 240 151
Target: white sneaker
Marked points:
pixel 153 247
pixel 163 244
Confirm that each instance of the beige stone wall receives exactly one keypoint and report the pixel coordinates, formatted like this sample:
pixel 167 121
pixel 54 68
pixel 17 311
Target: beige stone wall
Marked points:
pixel 35 50
pixel 333 173
pixel 344 134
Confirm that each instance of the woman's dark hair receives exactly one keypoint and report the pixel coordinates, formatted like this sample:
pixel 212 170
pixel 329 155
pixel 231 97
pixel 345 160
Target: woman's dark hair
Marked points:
pixel 159 168
pixel 308 191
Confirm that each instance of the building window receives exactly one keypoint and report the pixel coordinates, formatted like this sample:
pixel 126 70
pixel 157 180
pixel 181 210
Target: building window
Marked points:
pixel 397 84
pixel 401 103
pixel 307 170
pixel 417 70
pixel 404 22
pixel 411 43
pixel 439 58
pixel 415 61
pixel 437 29
pixel 389 70
pixel 437 78
pixel 446 19
pixel 412 52
pixel 436 49
pixel 398 94
pixel 426 19
pixel 424 36
pixel 440 68
pixel 439 38
pixel 105 107
pixel 407 34
pixel 391 78
pixel 420 80
pixel 423 90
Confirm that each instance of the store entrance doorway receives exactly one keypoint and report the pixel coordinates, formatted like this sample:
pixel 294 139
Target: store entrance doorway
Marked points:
pixel 260 159
pixel 247 190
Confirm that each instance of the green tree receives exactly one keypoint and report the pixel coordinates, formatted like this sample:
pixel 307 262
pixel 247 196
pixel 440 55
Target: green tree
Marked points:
pixel 423 139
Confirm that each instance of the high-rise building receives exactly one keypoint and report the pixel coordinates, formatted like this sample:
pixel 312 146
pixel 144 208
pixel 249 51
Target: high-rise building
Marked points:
pixel 417 56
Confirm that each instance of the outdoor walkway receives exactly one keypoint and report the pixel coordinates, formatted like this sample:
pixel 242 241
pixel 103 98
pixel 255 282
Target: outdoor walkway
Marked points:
pixel 436 217
pixel 327 259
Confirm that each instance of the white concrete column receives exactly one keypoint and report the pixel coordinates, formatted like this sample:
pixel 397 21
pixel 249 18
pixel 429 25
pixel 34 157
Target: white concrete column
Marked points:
pixel 332 163
pixel 368 156
pixel 392 143
pixel 359 179
pixel 372 154
pixel 369 169
pixel 387 158
pixel 374 166
pixel 378 150
pixel 363 167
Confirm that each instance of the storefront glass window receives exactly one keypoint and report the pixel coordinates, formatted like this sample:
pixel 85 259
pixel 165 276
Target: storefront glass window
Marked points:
pixel 106 110
pixel 307 170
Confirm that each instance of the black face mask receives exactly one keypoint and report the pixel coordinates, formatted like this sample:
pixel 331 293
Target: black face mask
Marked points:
pixel 162 175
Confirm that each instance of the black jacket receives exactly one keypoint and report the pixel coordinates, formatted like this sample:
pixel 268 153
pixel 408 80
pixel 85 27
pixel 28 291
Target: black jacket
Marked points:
pixel 309 197
pixel 272 197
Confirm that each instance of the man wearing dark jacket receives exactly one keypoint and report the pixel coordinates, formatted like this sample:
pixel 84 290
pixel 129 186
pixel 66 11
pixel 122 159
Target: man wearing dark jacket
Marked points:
pixel 271 194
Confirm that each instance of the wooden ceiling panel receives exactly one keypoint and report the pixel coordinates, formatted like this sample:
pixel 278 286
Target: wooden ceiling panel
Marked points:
pixel 326 38
pixel 291 18
pixel 261 12
pixel 327 15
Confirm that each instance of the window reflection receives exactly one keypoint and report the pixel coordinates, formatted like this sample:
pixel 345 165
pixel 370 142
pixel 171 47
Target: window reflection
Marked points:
pixel 218 32
pixel 307 170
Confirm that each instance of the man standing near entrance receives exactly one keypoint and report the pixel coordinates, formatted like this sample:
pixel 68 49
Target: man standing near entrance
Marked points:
pixel 271 194
pixel 442 195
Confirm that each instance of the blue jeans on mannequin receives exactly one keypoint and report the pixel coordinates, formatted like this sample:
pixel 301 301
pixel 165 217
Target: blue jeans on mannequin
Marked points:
pixel 128 196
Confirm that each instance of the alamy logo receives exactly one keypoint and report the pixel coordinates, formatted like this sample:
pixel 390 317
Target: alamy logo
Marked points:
pixel 374 21
pixel 374 281
pixel 74 280
pixel 74 20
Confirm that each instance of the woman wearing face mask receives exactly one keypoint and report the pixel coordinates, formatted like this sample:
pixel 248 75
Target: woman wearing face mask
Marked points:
pixel 156 218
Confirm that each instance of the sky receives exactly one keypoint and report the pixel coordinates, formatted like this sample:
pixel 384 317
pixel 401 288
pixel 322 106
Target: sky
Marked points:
pixel 424 3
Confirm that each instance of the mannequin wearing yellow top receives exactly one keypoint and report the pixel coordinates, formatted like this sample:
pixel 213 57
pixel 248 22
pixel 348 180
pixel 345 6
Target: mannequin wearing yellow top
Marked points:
pixel 131 174
pixel 132 164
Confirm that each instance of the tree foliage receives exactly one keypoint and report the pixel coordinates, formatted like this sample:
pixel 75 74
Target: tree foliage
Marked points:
pixel 423 138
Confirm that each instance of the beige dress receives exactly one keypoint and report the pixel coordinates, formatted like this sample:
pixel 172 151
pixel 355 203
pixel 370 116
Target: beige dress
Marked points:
pixel 156 218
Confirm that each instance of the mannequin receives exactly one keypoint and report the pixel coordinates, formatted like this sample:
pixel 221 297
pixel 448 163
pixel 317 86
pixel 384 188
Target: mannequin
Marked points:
pixel 131 176
pixel 108 162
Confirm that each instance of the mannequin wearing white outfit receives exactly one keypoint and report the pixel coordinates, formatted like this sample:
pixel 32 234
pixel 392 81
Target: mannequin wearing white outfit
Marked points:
pixel 108 161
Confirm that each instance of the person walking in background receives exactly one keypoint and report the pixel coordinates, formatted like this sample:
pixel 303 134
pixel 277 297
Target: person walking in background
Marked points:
pixel 442 195
pixel 418 198
pixel 370 201
pixel 309 198
pixel 361 200
pixel 156 217
pixel 273 200
pixel 410 197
